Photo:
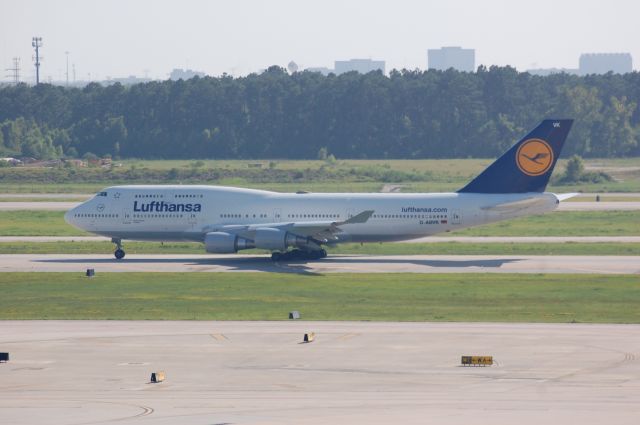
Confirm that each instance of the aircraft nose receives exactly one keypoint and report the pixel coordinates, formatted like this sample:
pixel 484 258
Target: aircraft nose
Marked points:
pixel 68 216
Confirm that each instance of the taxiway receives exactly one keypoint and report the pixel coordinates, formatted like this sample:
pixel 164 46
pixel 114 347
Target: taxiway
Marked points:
pixel 332 264
pixel 89 372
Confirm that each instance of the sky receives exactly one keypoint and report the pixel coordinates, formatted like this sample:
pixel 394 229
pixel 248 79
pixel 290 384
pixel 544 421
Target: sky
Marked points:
pixel 118 38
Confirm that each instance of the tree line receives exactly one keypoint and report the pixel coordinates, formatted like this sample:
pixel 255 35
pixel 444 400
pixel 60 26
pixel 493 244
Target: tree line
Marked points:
pixel 408 114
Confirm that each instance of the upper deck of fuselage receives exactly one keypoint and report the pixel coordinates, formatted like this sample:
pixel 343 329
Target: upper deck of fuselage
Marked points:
pixel 258 193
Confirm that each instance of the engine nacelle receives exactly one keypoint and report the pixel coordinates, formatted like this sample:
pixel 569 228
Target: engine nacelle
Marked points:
pixel 271 239
pixel 278 239
pixel 225 243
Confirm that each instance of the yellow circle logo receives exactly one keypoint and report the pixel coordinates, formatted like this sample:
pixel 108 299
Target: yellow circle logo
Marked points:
pixel 534 157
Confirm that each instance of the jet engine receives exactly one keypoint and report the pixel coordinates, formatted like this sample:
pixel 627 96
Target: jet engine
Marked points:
pixel 278 240
pixel 225 243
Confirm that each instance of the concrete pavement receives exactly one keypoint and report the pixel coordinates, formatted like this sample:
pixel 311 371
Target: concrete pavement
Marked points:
pixel 182 263
pixel 89 372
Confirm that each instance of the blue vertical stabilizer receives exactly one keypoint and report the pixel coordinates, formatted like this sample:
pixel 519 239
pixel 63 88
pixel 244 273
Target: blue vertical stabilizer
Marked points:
pixel 528 165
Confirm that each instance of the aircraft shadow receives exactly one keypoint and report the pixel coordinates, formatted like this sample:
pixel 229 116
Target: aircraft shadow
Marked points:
pixel 250 264
pixel 264 264
pixel 497 262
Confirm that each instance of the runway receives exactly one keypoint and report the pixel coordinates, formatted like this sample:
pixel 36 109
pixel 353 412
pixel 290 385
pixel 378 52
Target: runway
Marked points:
pixel 332 264
pixel 88 372
pixel 599 206
pixel 427 239
pixel 564 206
pixel 37 206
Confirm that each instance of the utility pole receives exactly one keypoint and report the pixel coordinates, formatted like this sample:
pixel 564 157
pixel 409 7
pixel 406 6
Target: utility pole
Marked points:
pixel 15 71
pixel 67 53
pixel 36 42
pixel 74 73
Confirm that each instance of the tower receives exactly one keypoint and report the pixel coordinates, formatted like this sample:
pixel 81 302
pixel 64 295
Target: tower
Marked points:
pixel 15 71
pixel 36 42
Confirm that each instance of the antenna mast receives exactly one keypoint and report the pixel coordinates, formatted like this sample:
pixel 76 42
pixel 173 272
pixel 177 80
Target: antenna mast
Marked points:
pixel 15 71
pixel 36 42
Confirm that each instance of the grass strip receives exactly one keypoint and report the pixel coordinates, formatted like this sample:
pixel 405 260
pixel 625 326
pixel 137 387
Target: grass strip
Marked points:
pixel 270 296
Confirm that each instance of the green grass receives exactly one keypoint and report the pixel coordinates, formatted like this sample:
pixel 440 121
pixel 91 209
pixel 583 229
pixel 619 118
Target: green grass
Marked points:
pixel 440 248
pixel 354 175
pixel 36 223
pixel 566 223
pixel 379 297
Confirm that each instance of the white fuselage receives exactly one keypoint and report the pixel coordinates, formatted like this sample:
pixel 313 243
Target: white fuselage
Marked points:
pixel 188 213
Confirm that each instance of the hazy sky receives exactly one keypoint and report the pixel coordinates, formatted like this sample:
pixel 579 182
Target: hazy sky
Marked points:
pixel 117 38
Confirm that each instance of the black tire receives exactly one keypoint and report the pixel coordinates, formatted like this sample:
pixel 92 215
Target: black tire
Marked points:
pixel 119 254
pixel 323 253
pixel 276 256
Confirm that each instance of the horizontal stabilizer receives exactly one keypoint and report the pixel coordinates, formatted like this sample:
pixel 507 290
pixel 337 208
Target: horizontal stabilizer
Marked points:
pixel 565 196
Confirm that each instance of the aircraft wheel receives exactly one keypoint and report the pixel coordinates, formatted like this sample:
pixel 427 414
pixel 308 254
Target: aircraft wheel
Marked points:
pixel 276 256
pixel 119 254
pixel 323 253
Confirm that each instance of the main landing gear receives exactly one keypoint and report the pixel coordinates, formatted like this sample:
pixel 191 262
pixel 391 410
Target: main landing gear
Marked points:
pixel 119 253
pixel 298 255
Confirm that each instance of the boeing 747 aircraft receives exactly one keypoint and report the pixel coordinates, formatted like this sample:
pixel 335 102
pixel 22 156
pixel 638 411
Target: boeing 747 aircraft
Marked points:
pixel 298 225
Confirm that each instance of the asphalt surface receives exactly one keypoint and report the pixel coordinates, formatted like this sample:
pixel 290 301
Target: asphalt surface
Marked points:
pixel 428 239
pixel 599 206
pixel 45 195
pixel 564 206
pixel 89 372
pixel 37 206
pixel 332 264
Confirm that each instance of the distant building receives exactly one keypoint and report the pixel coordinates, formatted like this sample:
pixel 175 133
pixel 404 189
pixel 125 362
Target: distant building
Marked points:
pixel 362 66
pixel 601 63
pixel 184 74
pixel 321 69
pixel 543 72
pixel 127 81
pixel 452 57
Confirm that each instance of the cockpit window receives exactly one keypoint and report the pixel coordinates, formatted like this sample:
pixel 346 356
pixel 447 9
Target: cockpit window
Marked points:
pixel 101 194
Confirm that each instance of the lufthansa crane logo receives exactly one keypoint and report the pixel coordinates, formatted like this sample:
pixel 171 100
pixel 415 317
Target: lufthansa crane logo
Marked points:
pixel 534 157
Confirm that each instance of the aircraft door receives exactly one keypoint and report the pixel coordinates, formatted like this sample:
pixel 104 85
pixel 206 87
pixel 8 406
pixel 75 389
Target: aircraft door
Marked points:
pixel 192 219
pixel 126 216
pixel 277 215
pixel 456 217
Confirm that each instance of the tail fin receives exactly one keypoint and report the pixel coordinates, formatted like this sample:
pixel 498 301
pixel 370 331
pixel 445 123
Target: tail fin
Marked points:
pixel 527 166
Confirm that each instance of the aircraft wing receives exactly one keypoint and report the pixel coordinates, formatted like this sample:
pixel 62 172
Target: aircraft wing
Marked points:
pixel 319 230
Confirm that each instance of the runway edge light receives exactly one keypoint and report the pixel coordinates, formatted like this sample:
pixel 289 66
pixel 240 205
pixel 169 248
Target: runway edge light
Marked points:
pixel 309 337
pixel 157 377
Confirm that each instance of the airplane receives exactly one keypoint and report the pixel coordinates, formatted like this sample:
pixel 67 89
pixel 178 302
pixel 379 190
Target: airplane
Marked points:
pixel 296 226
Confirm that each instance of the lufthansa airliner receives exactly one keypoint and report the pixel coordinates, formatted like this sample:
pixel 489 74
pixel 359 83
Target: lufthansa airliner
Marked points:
pixel 298 225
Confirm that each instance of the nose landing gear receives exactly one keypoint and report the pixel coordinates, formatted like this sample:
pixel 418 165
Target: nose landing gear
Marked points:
pixel 119 253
